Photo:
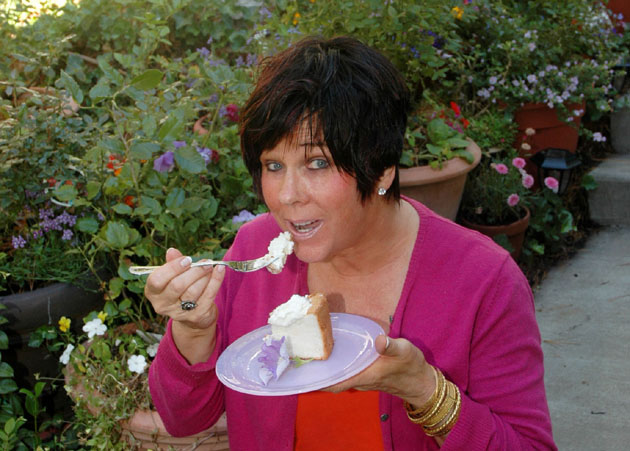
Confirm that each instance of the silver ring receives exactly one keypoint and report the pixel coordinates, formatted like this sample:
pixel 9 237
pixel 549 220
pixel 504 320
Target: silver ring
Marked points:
pixel 188 305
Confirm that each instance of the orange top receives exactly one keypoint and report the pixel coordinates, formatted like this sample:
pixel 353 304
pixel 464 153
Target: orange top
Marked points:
pixel 338 421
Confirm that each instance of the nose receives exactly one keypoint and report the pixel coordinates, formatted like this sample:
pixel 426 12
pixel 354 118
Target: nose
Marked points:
pixel 292 188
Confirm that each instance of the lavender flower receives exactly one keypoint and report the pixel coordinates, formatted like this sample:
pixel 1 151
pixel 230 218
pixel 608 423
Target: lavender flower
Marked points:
pixel 165 162
pixel 67 235
pixel 274 358
pixel 178 144
pixel 205 153
pixel 243 216
pixel 18 241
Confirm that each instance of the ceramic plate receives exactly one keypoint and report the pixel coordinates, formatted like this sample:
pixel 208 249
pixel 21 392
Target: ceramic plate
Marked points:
pixel 353 351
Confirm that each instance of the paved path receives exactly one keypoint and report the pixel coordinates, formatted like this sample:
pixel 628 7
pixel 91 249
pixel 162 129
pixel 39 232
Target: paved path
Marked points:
pixel 583 310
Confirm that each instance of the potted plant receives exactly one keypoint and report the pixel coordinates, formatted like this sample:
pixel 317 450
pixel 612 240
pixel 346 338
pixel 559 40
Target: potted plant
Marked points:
pixel 437 158
pixel 105 369
pixel 546 61
pixel 497 200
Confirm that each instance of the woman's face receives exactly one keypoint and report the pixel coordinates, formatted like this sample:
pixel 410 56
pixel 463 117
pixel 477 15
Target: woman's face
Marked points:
pixel 319 205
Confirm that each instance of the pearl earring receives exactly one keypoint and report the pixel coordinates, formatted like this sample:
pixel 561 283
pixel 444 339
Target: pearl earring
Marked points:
pixel 381 191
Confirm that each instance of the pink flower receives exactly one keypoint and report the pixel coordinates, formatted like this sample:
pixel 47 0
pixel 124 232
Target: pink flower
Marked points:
pixel 552 184
pixel 528 181
pixel 513 199
pixel 501 168
pixel 518 162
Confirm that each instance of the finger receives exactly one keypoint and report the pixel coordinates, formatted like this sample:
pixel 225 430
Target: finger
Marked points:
pixel 172 254
pixel 212 289
pixel 165 276
pixel 196 289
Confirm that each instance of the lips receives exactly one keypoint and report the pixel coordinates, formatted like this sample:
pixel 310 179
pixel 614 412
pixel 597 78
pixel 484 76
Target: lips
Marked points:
pixel 305 229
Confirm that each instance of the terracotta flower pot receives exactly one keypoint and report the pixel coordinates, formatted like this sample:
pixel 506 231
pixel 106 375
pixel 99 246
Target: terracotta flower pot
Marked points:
pixel 145 429
pixel 439 189
pixel 515 232
pixel 198 125
pixel 550 130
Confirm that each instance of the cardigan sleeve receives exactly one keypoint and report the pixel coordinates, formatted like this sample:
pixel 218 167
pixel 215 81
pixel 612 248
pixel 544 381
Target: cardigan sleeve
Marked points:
pixel 189 398
pixel 504 406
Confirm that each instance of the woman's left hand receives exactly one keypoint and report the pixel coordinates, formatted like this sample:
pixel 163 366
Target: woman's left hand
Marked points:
pixel 400 370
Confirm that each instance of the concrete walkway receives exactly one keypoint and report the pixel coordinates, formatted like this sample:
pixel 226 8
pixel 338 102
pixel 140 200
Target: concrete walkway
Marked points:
pixel 583 310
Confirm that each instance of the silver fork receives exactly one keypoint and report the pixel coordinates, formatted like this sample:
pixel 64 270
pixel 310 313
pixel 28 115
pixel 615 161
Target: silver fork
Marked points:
pixel 241 266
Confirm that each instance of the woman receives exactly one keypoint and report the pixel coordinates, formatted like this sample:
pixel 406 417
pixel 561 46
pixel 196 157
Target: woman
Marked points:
pixel 461 366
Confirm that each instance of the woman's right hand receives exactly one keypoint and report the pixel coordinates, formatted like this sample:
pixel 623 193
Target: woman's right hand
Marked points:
pixel 176 281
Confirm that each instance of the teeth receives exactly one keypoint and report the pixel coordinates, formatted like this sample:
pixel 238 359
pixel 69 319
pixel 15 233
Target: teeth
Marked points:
pixel 303 226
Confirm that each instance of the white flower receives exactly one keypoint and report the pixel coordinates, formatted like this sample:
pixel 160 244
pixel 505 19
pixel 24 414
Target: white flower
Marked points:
pixel 65 357
pixel 95 327
pixel 152 349
pixel 532 78
pixel 598 137
pixel 531 46
pixel 137 364
pixel 492 80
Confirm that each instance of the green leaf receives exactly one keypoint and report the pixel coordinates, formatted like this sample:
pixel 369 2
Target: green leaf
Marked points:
pixel 175 198
pixel 66 193
pixel 112 74
pixel 6 370
pixel 122 209
pixel 144 150
pixel 115 286
pixel 4 340
pixel 171 128
pixel 93 189
pixel 72 86
pixel 116 235
pixel 100 91
pixel 87 224
pixel 189 160
pixel 152 205
pixel 147 80
pixel 7 386
pixel 588 182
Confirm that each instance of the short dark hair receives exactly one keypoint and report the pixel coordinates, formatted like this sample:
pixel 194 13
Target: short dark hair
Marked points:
pixel 353 94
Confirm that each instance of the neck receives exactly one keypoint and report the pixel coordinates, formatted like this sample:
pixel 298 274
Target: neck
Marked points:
pixel 389 236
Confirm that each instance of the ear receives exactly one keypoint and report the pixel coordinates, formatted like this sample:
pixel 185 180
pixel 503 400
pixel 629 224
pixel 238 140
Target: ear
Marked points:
pixel 386 180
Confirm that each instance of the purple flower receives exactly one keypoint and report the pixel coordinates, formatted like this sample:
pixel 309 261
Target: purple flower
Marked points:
pixel 207 154
pixel 37 234
pixel 243 216
pixel 178 144
pixel 18 241
pixel 165 162
pixel 67 235
pixel 274 358
pixel 204 52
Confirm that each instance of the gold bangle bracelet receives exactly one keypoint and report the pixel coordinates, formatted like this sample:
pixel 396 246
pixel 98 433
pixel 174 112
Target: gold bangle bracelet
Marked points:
pixel 445 409
pixel 446 427
pixel 417 413
pixel 436 406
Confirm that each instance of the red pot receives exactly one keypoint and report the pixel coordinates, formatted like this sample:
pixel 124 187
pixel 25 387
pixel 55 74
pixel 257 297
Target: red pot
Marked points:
pixel 550 130
pixel 515 232
pixel 620 6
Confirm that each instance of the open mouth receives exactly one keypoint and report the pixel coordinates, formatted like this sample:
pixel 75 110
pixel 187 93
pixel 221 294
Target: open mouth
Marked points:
pixel 306 227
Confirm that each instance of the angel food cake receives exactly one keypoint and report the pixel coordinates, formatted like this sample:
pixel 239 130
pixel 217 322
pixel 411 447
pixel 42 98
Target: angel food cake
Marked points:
pixel 300 329
pixel 279 248
pixel 305 323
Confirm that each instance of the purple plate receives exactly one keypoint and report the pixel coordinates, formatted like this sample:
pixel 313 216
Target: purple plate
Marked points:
pixel 353 351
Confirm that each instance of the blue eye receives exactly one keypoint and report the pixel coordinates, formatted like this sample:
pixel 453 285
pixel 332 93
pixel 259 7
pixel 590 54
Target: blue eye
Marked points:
pixel 273 167
pixel 319 163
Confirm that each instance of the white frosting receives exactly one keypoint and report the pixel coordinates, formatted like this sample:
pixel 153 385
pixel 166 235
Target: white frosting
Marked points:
pixel 278 249
pixel 291 311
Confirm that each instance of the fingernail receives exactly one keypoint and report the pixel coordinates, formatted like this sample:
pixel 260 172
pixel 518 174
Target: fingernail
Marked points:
pixel 220 268
pixel 186 261
pixel 386 343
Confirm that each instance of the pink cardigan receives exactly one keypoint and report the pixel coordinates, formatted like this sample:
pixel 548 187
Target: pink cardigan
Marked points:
pixel 465 304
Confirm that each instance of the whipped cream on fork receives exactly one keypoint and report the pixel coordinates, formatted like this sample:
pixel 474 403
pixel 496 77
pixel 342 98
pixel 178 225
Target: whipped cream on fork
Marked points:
pixel 278 250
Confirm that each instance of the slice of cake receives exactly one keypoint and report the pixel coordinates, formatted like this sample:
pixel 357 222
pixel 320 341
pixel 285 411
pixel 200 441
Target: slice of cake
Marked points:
pixel 304 321
pixel 279 248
